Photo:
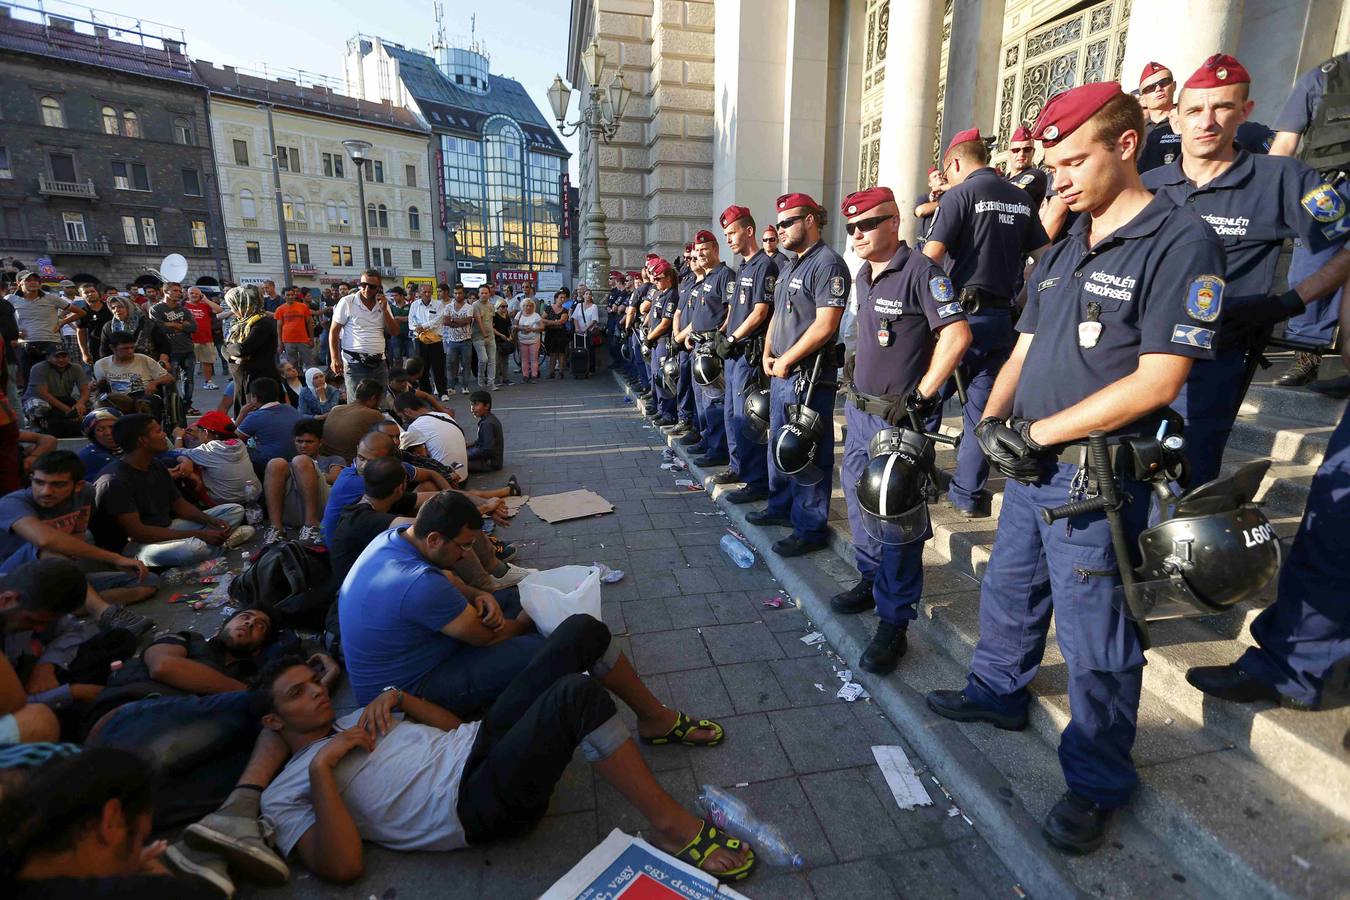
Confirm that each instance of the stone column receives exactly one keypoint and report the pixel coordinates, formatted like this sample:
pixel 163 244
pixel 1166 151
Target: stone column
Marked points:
pixel 805 100
pixel 1202 28
pixel 972 67
pixel 910 103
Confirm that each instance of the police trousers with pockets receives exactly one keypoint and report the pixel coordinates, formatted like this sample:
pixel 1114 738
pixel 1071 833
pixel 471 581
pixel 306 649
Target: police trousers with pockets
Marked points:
pixel 990 349
pixel 1307 630
pixel 665 400
pixel 684 397
pixel 749 458
pixel 896 572
pixel 636 364
pixel 1068 568
pixel 1209 402
pixel 807 505
pixel 712 420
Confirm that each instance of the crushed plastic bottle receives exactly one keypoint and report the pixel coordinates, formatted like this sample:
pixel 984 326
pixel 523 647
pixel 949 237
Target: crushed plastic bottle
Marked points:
pixel 608 575
pixel 201 570
pixel 732 813
pixel 740 554
pixel 219 596
pixel 253 513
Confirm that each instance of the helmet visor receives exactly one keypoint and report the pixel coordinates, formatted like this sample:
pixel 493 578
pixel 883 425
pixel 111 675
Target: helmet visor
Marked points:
pixel 1175 598
pixel 893 531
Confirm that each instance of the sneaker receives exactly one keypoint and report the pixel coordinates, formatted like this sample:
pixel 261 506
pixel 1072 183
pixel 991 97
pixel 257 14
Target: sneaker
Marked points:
pixel 445 398
pixel 464 390
pixel 121 617
pixel 209 386
pixel 192 411
pixel 240 536
pixel 203 868
pixel 273 535
pixel 504 552
pixel 241 841
pixel 311 534
pixel 506 382
pixel 514 576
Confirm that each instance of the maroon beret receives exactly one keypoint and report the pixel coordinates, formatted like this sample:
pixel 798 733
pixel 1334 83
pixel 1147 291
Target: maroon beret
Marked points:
pixel 932 169
pixel 961 137
pixel 660 267
pixel 731 214
pixel 615 273
pixel 1151 69
pixel 860 202
pixel 652 256
pixel 1066 111
pixel 795 200
pixel 689 247
pixel 704 237
pixel 1021 134
pixel 1218 71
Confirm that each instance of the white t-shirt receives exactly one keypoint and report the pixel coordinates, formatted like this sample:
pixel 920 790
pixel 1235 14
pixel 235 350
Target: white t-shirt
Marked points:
pixel 402 795
pixel 38 317
pixel 129 377
pixel 226 469
pixel 458 311
pixel 583 318
pixel 444 439
pixel 524 321
pixel 362 329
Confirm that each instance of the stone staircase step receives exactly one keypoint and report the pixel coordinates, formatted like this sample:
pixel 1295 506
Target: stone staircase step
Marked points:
pixel 1279 438
pixel 1292 403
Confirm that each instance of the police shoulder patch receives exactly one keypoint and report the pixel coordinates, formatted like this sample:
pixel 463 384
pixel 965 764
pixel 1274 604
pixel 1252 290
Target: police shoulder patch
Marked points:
pixel 731 288
pixel 1324 204
pixel 770 283
pixel 1193 336
pixel 947 310
pixel 1204 298
pixel 941 288
pixel 837 286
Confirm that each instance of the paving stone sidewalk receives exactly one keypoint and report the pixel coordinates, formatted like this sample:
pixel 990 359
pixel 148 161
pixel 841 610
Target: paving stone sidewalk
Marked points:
pixel 694 626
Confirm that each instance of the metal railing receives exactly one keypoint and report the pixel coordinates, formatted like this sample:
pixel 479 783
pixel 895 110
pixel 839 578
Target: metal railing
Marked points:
pixel 98 247
pixel 53 188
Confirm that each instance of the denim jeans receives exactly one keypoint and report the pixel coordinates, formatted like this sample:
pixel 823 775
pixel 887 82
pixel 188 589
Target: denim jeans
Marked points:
pixel 487 362
pixel 187 550
pixel 458 362
pixel 185 371
pixel 353 373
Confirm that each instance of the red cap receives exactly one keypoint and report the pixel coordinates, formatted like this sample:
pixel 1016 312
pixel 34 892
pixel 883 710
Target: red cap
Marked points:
pixel 1066 111
pixel 216 420
pixel 860 202
pixel 689 248
pixel 731 214
pixel 792 201
pixel 660 267
pixel 1218 71
pixel 1021 134
pixel 961 137
pixel 704 237
pixel 1151 69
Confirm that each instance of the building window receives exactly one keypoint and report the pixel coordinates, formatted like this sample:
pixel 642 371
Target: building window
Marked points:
pixel 110 123
pixel 248 210
pixel 129 233
pixel 417 259
pixel 506 212
pixel 131 124
pixel 74 223
pixel 293 210
pixel 301 216
pixel 410 174
pixel 287 209
pixel 382 256
pixel 253 251
pixel 336 251
pixel 332 165
pixel 377 216
pixel 414 220
pixel 304 254
pixel 288 158
pixel 199 234
pixel 62 165
pixel 192 183
pixel 330 214
pixel 291 254
pixel 130 176
pixel 148 230
pixel 346 255
pixel 182 132
pixel 344 213
pixel 543 207
pixel 53 117
pixel 241 153
pixel 462 172
pixel 5 171
pixel 375 171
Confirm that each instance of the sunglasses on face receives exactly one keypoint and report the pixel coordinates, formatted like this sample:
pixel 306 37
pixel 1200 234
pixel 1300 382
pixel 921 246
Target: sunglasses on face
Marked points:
pixel 785 224
pixel 1161 84
pixel 1030 148
pixel 866 225
pixel 366 284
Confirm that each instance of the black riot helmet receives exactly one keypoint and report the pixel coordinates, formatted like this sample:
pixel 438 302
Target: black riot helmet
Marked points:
pixel 1217 550
pixel 670 373
pixel 757 412
pixel 892 488
pixel 707 370
pixel 626 350
pixel 797 443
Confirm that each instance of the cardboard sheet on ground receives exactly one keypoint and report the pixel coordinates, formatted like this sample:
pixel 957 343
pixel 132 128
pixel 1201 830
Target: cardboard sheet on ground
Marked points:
pixel 571 505
pixel 513 504
pixel 623 866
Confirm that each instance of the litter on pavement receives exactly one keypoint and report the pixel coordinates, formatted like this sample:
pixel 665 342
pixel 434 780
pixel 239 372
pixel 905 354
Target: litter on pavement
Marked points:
pixel 813 638
pixel 905 785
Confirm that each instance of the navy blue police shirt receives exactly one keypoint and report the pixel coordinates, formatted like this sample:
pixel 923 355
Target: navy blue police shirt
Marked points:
pixel 1162 146
pixel 708 300
pixel 988 227
pixel 684 303
pixel 1253 206
pixel 753 285
pixel 1035 182
pixel 924 223
pixel 1305 99
pixel 663 307
pixel 899 311
pixel 1154 285
pixel 817 279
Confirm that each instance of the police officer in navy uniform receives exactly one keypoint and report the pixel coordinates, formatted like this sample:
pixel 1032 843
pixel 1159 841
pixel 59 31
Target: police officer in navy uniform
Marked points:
pixel 686 409
pixel 663 299
pixel 638 305
pixel 1157 91
pixel 707 312
pixel 1253 203
pixel 809 302
pixel 903 299
pixel 926 207
pixel 614 307
pixel 1310 116
pixel 989 227
pixel 1106 341
pixel 749 309
pixel 1021 151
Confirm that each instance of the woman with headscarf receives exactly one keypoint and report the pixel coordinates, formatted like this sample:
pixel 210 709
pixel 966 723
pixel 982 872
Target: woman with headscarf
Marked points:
pixel 251 341
pixel 317 399
pixel 127 316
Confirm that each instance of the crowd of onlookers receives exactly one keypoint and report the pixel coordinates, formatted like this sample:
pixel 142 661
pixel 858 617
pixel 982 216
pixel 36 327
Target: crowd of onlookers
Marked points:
pixel 329 428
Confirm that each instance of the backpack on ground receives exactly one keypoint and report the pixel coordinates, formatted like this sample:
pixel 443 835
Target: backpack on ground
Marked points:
pixel 294 577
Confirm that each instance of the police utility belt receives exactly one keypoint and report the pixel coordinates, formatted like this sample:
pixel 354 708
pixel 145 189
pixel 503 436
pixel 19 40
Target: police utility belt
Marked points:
pixel 751 346
pixel 890 407
pixel 974 300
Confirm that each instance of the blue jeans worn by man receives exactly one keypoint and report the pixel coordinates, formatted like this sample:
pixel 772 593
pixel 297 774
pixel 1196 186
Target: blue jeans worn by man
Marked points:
pixel 458 362
pixel 354 372
pixel 186 550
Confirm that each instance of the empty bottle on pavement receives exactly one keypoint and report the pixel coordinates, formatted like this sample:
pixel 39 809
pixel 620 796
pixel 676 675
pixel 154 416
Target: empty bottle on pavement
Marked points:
pixel 732 814
pixel 740 554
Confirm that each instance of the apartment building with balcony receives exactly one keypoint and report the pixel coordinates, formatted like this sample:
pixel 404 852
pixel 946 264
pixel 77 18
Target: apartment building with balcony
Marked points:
pixel 318 180
pixel 105 161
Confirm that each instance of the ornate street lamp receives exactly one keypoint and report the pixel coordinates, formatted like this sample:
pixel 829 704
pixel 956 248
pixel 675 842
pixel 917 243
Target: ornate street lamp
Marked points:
pixel 599 113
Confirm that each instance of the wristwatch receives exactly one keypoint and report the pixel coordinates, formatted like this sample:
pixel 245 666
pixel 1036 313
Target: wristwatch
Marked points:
pixel 398 695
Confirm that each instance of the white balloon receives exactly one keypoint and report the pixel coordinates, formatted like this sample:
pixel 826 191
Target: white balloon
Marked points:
pixel 173 268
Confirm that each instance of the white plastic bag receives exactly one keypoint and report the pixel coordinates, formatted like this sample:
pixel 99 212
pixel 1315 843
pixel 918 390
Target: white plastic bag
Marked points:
pixel 552 595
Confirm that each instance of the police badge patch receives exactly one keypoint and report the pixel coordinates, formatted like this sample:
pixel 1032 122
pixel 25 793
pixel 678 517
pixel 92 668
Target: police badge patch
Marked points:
pixel 948 310
pixel 941 288
pixel 1192 336
pixel 1324 204
pixel 1204 298
pixel 770 283
pixel 837 286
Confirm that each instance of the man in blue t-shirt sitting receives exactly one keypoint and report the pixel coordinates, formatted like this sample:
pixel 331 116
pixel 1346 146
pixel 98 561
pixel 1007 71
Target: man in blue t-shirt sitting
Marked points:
pixel 267 424
pixel 349 487
pixel 407 624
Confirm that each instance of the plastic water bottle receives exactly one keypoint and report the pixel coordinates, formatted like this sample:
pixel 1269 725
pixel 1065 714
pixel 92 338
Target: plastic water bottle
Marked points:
pixel 731 813
pixel 740 554
pixel 253 513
